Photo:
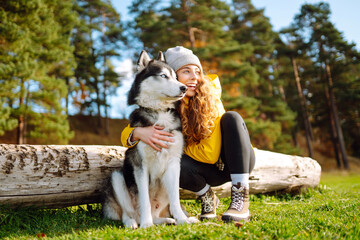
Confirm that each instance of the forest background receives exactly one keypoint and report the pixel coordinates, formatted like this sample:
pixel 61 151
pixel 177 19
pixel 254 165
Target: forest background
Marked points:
pixel 298 89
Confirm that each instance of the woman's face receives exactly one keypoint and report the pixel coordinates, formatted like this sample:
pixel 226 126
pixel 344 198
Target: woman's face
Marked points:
pixel 190 76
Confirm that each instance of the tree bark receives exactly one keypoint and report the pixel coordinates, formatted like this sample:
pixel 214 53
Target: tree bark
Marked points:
pixel 55 176
pixel 67 81
pixel 307 125
pixel 103 30
pixel 336 117
pixel 333 132
pixel 20 128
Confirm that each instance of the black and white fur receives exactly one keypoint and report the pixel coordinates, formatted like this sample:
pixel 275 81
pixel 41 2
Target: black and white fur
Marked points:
pixel 145 190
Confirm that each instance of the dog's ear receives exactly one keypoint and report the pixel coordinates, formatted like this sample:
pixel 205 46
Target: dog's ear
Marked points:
pixel 161 56
pixel 143 61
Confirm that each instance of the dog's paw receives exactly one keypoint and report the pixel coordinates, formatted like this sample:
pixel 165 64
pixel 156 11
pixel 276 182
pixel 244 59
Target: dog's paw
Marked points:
pixel 146 224
pixel 170 221
pixel 131 223
pixel 193 220
pixel 167 221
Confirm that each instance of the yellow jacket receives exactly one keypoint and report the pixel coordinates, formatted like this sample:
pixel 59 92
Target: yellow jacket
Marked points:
pixel 208 150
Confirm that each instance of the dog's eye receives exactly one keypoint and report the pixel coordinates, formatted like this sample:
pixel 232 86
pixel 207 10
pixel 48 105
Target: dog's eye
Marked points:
pixel 163 76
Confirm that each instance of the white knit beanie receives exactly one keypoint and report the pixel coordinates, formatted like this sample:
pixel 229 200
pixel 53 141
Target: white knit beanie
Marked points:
pixel 178 57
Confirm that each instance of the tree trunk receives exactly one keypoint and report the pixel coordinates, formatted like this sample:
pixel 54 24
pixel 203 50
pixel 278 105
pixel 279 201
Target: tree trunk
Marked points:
pixel 275 172
pixel 333 133
pixel 55 176
pixel 67 81
pixel 20 128
pixel 336 117
pixel 308 131
pixel 58 176
pixel 95 76
pixel 189 28
pixel 103 30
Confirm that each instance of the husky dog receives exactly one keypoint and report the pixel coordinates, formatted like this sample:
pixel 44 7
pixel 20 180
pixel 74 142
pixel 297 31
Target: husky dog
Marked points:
pixel 145 190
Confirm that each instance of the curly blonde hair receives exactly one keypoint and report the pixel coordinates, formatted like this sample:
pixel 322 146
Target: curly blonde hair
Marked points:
pixel 197 118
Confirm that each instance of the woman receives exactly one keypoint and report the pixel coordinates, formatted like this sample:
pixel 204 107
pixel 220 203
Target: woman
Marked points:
pixel 218 147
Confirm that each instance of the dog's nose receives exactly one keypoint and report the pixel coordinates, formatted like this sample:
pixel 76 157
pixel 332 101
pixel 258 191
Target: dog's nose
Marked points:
pixel 183 89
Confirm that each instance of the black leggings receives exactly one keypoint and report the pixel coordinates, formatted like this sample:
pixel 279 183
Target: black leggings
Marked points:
pixel 236 153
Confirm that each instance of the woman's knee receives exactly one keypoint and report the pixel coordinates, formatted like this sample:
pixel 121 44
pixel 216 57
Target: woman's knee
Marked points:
pixel 233 120
pixel 231 116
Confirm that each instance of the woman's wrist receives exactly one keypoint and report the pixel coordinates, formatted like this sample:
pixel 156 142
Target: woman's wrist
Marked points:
pixel 133 137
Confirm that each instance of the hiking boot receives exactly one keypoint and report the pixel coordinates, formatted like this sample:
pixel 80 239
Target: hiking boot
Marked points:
pixel 209 203
pixel 239 206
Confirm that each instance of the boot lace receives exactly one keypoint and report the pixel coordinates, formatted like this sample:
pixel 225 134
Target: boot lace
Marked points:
pixel 237 198
pixel 207 203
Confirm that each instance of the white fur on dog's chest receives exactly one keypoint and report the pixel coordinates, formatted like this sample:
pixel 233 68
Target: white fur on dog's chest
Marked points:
pixel 157 162
pixel 166 120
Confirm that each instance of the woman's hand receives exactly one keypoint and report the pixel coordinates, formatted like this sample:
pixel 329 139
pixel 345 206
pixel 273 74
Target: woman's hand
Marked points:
pixel 154 136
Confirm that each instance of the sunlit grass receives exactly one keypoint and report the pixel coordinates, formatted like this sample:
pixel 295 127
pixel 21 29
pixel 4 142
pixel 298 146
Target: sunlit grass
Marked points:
pixel 328 212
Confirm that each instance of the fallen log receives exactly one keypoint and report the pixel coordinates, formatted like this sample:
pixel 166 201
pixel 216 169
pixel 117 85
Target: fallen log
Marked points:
pixel 55 176
pixel 275 172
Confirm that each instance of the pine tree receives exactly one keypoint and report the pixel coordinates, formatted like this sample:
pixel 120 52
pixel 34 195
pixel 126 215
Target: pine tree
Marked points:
pixel 273 120
pixel 68 18
pixel 291 54
pixel 32 49
pixel 6 122
pixel 97 39
pixel 198 25
pixel 8 66
pixel 334 58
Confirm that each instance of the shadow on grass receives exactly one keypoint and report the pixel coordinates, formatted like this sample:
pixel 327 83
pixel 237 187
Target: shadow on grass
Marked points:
pixel 34 222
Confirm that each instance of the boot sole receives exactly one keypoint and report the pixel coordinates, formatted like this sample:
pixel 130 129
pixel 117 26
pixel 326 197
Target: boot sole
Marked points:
pixel 207 217
pixel 232 218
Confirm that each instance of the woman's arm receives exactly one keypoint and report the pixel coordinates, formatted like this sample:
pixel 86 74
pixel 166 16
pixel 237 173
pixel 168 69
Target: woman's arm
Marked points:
pixel 154 136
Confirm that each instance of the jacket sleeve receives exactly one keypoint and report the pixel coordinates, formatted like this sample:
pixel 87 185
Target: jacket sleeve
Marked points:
pixel 125 135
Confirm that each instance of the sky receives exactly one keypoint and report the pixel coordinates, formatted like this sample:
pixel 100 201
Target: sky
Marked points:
pixel 344 15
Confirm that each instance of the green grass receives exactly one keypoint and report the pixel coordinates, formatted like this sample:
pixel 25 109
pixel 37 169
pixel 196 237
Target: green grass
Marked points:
pixel 330 211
